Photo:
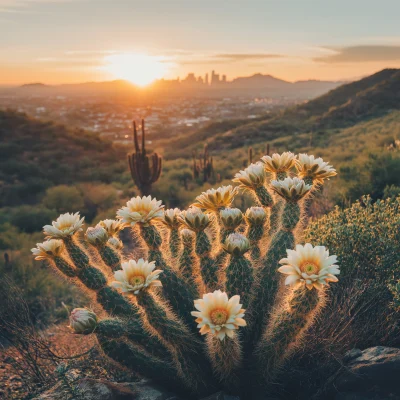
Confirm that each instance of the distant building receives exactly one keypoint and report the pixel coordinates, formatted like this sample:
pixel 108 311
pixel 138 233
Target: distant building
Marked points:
pixel 206 79
pixel 214 78
pixel 223 78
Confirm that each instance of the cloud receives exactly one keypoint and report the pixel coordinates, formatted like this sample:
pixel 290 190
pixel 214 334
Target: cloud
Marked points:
pixel 18 6
pixel 246 56
pixel 359 54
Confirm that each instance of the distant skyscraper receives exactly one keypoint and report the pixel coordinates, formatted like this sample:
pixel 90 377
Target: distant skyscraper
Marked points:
pixel 206 79
pixel 223 78
pixel 214 78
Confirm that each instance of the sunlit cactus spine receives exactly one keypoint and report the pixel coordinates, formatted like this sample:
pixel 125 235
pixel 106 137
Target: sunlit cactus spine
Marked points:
pixel 145 169
pixel 211 269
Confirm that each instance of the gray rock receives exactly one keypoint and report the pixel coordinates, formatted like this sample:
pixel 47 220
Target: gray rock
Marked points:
pixel 370 374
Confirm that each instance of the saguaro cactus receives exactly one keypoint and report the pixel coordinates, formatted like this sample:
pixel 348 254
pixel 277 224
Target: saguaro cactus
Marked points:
pixel 145 169
pixel 205 273
pixel 203 166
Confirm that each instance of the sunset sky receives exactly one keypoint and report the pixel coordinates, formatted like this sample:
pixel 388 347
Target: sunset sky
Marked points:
pixel 64 41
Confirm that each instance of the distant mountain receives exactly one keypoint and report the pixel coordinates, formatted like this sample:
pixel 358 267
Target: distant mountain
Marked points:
pixel 345 106
pixel 37 85
pixel 259 80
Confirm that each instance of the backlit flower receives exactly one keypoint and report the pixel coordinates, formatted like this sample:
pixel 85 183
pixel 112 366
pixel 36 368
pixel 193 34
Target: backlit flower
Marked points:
pixel 231 218
pixel 252 177
pixel 112 226
pixel 48 250
pixel 170 218
pixel 279 163
pixel 64 226
pixel 291 189
pixel 136 276
pixel 309 266
pixel 96 236
pixel 236 244
pixel 256 216
pixel 314 169
pixel 194 219
pixel 219 315
pixel 216 199
pixel 82 320
pixel 140 210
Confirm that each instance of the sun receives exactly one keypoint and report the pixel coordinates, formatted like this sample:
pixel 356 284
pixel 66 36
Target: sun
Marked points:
pixel 140 69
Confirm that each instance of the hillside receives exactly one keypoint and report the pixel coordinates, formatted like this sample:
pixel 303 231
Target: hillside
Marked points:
pixel 35 155
pixel 345 106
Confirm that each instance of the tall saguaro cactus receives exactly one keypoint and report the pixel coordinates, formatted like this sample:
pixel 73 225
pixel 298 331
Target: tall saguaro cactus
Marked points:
pixel 206 273
pixel 203 166
pixel 145 169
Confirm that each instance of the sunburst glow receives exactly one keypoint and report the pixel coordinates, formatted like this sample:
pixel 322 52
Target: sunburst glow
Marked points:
pixel 140 69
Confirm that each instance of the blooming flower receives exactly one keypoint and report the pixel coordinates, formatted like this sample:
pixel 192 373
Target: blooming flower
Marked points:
pixel 48 250
pixel 219 315
pixel 291 189
pixel 136 276
pixel 236 244
pixel 64 226
pixel 308 265
pixel 231 218
pixel 252 177
pixel 314 168
pixel 140 210
pixel 170 218
pixel 112 226
pixel 82 320
pixel 216 199
pixel 279 162
pixel 256 216
pixel 194 219
pixel 96 236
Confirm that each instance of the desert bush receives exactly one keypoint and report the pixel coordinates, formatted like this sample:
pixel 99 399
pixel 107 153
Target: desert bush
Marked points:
pixel 216 271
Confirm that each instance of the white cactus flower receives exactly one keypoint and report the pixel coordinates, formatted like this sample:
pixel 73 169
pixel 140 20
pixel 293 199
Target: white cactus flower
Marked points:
pixel 256 216
pixel 291 189
pixel 278 163
pixel 194 219
pixel 170 218
pixel 252 177
pixel 115 242
pixel 219 315
pixel 112 226
pixel 309 266
pixel 236 244
pixel 216 199
pixel 136 276
pixel 314 168
pixel 231 218
pixel 140 210
pixel 48 250
pixel 64 226
pixel 97 236
pixel 82 321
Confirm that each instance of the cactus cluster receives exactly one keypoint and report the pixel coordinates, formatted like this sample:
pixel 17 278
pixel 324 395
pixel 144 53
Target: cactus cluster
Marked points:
pixel 203 165
pixel 208 309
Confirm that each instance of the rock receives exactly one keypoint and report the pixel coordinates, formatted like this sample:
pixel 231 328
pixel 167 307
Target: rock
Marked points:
pixel 370 374
pixel 220 396
pixel 100 389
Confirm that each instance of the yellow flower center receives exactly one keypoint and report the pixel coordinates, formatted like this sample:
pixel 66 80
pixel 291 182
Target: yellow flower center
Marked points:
pixel 309 268
pixel 219 316
pixel 137 280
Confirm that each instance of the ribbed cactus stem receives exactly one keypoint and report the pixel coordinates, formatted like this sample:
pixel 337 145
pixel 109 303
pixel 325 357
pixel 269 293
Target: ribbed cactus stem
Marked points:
pixel 226 357
pixel 75 252
pixel 92 278
pixel 137 359
pixel 208 266
pixel 111 257
pixel 239 278
pixel 275 217
pixel 290 216
pixel 255 233
pixel 263 196
pixel 187 260
pixel 176 290
pixel 285 331
pixel 64 267
pixel 174 242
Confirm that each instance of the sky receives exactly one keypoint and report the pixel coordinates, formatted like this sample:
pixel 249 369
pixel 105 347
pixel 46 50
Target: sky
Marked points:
pixel 67 41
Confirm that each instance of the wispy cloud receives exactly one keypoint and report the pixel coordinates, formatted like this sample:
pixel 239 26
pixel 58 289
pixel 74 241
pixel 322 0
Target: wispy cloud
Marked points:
pixel 359 54
pixel 246 56
pixel 21 6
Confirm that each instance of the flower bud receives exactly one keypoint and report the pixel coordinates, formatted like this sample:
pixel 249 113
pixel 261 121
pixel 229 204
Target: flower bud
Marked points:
pixel 170 218
pixel 96 236
pixel 252 177
pixel 194 219
pixel 115 242
pixel 291 189
pixel 256 216
pixel 231 218
pixel 236 244
pixel 82 321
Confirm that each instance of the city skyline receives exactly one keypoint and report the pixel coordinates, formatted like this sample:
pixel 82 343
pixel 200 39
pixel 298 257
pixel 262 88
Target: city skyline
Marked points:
pixel 70 41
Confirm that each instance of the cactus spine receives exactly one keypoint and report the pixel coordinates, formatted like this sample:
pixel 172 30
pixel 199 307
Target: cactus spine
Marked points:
pixel 145 169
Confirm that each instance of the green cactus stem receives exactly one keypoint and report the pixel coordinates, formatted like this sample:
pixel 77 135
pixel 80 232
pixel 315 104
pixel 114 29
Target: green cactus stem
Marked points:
pixel 187 259
pixel 174 242
pixel 75 252
pixel 263 196
pixel 203 166
pixel 145 170
pixel 110 256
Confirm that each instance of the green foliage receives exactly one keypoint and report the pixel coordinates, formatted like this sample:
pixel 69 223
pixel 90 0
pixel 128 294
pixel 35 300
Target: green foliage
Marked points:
pixel 63 198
